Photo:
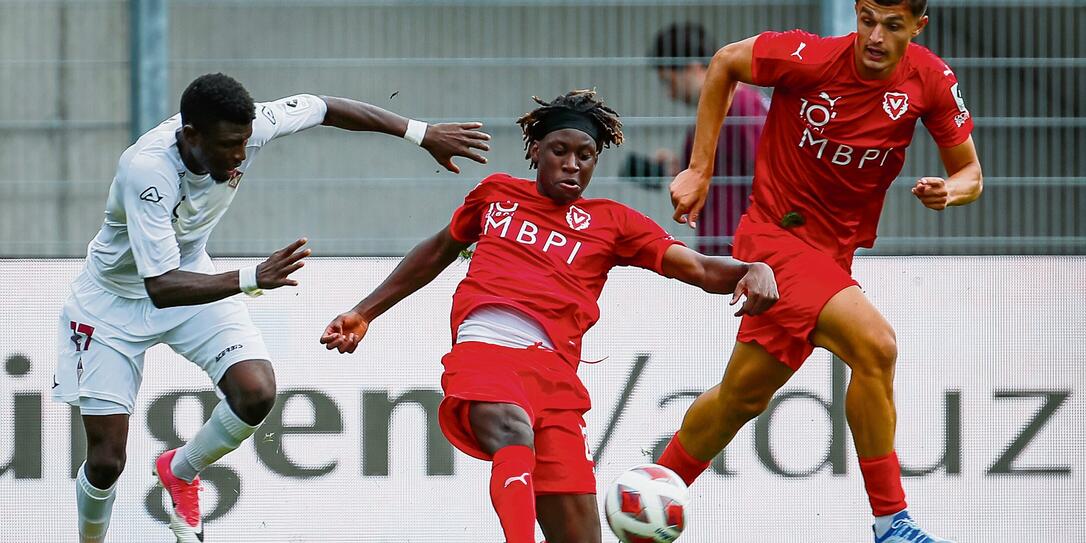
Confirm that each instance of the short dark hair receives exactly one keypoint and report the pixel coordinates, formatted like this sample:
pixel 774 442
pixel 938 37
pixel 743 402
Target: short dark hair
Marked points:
pixel 579 101
pixel 216 97
pixel 917 7
pixel 681 44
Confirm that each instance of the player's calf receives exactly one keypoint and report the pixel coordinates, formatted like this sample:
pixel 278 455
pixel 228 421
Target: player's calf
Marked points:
pixel 504 430
pixel 569 518
pixel 94 507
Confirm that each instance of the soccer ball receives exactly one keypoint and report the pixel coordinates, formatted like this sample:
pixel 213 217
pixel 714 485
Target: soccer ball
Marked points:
pixel 647 505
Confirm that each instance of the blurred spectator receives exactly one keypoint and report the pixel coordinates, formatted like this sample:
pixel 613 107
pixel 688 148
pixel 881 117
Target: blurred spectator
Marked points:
pixel 681 54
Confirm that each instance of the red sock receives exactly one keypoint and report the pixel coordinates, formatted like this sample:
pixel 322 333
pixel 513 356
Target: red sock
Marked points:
pixel 678 460
pixel 882 478
pixel 512 492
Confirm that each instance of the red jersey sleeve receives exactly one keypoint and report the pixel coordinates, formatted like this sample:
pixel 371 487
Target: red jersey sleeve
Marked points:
pixel 948 120
pixel 783 58
pixel 466 223
pixel 641 242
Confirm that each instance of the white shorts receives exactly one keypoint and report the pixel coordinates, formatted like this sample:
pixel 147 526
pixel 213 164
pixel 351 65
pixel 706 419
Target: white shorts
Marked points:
pixel 102 338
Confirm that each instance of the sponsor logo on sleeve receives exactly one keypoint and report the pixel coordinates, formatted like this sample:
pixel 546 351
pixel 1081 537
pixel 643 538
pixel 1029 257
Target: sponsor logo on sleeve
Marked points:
pixel 963 113
pixel 150 194
pixel 956 93
pixel 293 102
pixel 268 113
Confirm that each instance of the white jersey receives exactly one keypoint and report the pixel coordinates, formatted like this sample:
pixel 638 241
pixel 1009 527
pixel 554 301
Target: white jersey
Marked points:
pixel 502 325
pixel 159 215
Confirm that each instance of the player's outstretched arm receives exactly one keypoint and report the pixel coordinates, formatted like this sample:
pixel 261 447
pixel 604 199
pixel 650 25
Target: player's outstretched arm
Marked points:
pixel 443 141
pixel 730 65
pixel 177 287
pixel 724 275
pixel 416 270
pixel 964 183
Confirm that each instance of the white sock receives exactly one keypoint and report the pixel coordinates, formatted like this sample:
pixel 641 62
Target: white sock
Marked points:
pixel 95 506
pixel 222 433
pixel 882 524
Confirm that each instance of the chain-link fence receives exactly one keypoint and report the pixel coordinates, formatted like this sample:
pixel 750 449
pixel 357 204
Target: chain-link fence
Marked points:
pixel 66 119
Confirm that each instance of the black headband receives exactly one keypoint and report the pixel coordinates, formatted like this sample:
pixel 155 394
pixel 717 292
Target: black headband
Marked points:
pixel 567 118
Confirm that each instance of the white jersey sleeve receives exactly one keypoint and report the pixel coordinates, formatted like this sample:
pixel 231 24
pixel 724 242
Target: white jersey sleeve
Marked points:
pixel 286 116
pixel 149 192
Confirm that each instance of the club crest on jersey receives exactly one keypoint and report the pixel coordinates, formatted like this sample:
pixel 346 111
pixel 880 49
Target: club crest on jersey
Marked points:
pixel 577 218
pixel 895 104
pixel 235 179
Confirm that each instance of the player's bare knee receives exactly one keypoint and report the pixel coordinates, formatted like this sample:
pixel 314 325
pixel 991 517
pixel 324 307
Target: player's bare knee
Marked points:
pixel 877 356
pixel 744 405
pixel 747 408
pixel 252 404
pixel 105 467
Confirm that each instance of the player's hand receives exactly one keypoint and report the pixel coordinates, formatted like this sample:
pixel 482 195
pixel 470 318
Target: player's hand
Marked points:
pixel 446 140
pixel 345 332
pixel 275 271
pixel 688 192
pixel 760 288
pixel 932 192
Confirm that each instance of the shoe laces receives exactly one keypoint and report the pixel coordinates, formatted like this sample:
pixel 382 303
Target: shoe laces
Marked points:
pixel 910 530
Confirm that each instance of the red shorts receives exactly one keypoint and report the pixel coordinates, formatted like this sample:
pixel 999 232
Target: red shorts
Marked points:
pixel 806 278
pixel 542 383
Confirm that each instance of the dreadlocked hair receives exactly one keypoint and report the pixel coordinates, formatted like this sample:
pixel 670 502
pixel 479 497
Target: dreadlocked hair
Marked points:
pixel 581 101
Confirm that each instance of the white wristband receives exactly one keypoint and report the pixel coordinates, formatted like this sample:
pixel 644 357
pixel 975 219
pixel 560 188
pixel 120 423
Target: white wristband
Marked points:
pixel 247 281
pixel 415 131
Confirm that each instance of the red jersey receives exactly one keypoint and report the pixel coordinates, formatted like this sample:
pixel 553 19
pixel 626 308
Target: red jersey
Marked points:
pixel 833 142
pixel 545 259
